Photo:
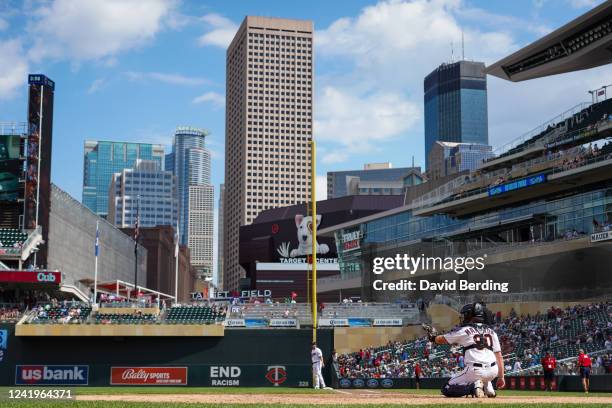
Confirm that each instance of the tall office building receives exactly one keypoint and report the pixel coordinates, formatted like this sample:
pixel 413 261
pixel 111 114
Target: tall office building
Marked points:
pixel 146 191
pixel 190 163
pixel 103 159
pixel 456 105
pixel 268 125
pixel 220 221
pixel 373 176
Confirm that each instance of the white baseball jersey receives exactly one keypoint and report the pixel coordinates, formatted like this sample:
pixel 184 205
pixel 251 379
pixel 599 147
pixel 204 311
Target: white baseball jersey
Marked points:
pixel 316 355
pixel 481 342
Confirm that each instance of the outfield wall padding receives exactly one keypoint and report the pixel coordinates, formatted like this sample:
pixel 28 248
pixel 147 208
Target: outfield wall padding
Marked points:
pixel 256 352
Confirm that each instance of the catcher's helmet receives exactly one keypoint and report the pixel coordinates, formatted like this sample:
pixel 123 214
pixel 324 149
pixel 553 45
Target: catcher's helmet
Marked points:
pixel 475 313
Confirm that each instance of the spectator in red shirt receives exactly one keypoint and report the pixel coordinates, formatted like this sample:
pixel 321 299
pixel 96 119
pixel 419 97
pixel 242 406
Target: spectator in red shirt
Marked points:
pixel 417 375
pixel 549 363
pixel 585 364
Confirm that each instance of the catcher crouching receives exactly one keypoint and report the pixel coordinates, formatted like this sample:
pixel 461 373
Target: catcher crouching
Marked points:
pixel 481 350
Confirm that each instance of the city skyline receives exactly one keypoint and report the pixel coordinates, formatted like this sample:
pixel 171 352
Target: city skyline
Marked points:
pixel 137 73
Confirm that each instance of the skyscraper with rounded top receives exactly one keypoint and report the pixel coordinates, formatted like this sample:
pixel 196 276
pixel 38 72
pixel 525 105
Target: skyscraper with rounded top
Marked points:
pixel 190 163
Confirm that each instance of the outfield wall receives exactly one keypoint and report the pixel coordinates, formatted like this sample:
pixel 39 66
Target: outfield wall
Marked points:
pixel 572 383
pixel 242 357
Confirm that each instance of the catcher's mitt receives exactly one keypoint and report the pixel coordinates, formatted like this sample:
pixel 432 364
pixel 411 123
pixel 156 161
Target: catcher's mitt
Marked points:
pixel 431 332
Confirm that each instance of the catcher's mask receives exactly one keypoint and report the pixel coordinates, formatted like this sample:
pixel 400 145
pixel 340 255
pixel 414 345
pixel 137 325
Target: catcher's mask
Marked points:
pixel 476 313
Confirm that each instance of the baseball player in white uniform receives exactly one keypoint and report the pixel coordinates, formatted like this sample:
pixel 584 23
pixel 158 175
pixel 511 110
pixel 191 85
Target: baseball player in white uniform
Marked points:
pixel 317 364
pixel 482 354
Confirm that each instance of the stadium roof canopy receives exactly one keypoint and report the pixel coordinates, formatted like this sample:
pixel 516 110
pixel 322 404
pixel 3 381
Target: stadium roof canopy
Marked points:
pixel 583 43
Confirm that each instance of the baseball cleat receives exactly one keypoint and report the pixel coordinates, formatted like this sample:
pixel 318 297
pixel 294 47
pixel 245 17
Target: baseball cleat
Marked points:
pixel 316 387
pixel 489 390
pixel 478 391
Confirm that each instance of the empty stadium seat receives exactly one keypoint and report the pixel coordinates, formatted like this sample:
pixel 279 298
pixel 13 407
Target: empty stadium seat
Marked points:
pixel 193 315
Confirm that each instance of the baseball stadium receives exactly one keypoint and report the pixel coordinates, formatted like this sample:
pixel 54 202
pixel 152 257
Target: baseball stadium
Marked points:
pixel 373 329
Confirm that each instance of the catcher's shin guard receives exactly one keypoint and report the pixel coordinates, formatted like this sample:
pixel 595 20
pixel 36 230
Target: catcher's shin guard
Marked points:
pixel 457 390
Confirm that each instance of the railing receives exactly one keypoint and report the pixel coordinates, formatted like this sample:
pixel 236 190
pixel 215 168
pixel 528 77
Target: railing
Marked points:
pixel 536 368
pixel 541 128
pixel 13 128
pixel 493 248
pixel 552 170
pixel 535 296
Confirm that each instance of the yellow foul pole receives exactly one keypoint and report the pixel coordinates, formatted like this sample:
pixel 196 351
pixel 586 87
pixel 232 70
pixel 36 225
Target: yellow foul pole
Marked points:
pixel 313 181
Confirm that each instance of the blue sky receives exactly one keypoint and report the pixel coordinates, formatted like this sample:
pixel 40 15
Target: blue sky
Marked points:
pixel 134 70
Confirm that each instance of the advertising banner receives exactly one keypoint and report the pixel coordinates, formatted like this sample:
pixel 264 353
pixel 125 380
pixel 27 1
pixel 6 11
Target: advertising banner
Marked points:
pixel 283 322
pixel 387 322
pixel 148 376
pixel 51 375
pixel 333 322
pixel 50 277
pixel 234 323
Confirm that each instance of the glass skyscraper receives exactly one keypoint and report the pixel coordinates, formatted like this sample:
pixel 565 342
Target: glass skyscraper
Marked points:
pixel 146 192
pixel 190 163
pixel 102 159
pixel 456 105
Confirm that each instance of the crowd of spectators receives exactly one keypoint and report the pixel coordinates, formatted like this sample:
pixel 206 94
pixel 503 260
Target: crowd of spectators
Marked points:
pixel 9 313
pixel 61 312
pixel 524 340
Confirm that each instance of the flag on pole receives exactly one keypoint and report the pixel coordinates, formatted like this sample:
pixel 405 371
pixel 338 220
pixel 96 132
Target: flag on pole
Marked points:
pixel 176 242
pixel 137 226
pixel 97 244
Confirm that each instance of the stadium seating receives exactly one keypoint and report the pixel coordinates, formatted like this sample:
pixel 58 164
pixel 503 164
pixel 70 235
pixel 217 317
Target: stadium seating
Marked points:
pixel 124 318
pixel 194 315
pixel 60 314
pixel 586 117
pixel 523 338
pixel 9 237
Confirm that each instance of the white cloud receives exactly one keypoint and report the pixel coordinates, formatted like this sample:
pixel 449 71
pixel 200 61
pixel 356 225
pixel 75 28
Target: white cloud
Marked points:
pixel 399 42
pixel 337 156
pixel 578 4
pixel 390 47
pixel 222 31
pixel 357 120
pixel 3 24
pixel 13 67
pixel 95 29
pixel 321 186
pixel 215 98
pixel 168 78
pixel 96 85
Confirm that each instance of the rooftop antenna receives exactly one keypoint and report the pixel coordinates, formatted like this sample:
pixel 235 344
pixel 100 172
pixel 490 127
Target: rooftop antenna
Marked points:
pixel 413 160
pixel 452 53
pixel 462 47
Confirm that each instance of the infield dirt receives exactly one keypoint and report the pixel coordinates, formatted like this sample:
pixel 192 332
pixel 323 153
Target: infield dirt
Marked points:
pixel 343 397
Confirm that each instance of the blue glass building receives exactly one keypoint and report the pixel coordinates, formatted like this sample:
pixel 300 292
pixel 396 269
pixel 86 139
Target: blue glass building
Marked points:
pixel 102 159
pixel 190 163
pixel 456 105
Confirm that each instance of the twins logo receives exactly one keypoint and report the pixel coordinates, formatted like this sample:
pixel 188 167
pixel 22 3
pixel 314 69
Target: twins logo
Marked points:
pixel 276 375
pixel 304 237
